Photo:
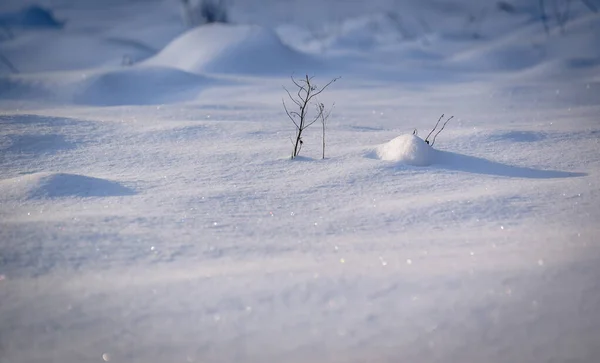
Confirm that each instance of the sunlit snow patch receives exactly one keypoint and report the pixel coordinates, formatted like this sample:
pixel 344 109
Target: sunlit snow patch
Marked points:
pixel 406 149
pixel 242 49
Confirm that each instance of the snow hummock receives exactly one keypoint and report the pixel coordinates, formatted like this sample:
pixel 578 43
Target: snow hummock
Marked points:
pixel 32 16
pixel 406 149
pixel 140 85
pixel 135 85
pixel 59 185
pixel 223 48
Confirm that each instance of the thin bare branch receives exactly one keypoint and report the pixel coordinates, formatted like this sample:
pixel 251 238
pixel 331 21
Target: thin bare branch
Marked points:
pixel 436 125
pixel 444 125
pixel 329 113
pixel 292 98
pixel 288 113
pixel 322 89
pixel 312 122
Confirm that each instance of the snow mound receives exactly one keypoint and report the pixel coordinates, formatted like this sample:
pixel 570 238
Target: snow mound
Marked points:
pixel 368 31
pixel 136 85
pixel 50 51
pixel 406 149
pixel 140 86
pixel 32 16
pixel 58 185
pixel 530 47
pixel 233 49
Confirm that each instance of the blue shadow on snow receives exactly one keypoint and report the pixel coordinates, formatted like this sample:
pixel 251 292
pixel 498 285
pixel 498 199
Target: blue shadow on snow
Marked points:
pixel 471 164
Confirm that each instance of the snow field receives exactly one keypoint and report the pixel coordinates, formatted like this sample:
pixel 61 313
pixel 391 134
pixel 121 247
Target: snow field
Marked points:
pixel 150 212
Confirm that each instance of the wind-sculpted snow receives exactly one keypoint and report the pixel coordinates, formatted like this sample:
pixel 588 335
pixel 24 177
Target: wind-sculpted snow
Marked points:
pixel 136 85
pixel 235 49
pixel 60 185
pixel 140 86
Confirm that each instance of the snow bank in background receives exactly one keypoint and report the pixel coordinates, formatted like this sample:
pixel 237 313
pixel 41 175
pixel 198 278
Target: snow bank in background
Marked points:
pixel 382 30
pixel 57 185
pixel 137 85
pixel 406 149
pixel 140 86
pixel 242 49
pixel 55 50
pixel 32 16
pixel 369 31
pixel 578 46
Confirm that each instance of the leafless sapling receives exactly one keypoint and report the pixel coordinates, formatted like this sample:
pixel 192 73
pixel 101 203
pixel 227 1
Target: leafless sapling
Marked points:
pixel 303 98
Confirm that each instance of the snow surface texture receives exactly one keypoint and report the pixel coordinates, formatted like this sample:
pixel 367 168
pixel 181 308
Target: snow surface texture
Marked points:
pixel 149 211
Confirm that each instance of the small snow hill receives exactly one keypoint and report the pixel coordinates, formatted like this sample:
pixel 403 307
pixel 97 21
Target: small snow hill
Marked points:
pixel 140 85
pixel 406 149
pixel 59 185
pixel 233 49
pixel 136 85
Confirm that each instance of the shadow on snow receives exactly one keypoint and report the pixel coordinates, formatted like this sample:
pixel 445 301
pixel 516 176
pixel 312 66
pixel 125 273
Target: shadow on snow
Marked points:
pixel 471 164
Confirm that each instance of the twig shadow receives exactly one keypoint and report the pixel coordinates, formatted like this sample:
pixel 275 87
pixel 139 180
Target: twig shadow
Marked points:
pixel 471 164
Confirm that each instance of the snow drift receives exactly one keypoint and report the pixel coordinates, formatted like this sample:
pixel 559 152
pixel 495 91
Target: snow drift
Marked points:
pixel 137 85
pixel 406 149
pixel 235 49
pixel 32 16
pixel 55 50
pixel 140 86
pixel 576 47
pixel 58 185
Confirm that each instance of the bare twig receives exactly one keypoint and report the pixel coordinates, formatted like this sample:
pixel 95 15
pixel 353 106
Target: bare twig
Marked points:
pixel 444 125
pixel 324 117
pixel 436 125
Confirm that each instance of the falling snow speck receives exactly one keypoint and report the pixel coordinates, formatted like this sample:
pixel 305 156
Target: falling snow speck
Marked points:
pixel 383 262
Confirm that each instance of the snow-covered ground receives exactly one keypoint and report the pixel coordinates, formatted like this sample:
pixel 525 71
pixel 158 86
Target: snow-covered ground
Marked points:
pixel 149 211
